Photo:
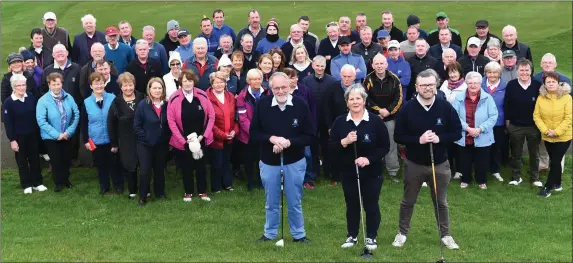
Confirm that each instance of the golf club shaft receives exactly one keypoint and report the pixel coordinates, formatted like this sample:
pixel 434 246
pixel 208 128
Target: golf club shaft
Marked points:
pixel 282 196
pixel 436 198
pixel 360 196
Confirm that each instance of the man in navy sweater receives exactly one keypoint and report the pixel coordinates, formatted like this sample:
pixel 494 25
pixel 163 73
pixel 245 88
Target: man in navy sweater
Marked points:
pixel 424 120
pixel 283 126
pixel 519 103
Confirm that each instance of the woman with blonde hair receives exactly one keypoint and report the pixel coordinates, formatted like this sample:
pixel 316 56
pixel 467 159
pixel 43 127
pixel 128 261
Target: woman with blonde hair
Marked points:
pixel 152 132
pixel 553 118
pixel 300 61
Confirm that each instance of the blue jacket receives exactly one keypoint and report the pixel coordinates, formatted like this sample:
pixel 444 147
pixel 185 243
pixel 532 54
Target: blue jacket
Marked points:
pixel 185 52
pixel 150 129
pixel 436 51
pixel 232 85
pixel 224 30
pixel 49 118
pixel 485 118
pixel 121 56
pixel 95 124
pixel 355 60
pixel 498 97
pixel 212 42
pixel 157 52
pixel 204 82
pixel 264 46
pixel 562 78
pixel 401 68
pixel 81 51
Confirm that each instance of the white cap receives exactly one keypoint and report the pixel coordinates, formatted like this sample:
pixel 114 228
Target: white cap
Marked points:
pixel 174 55
pixel 49 15
pixel 393 43
pixel 474 41
pixel 224 61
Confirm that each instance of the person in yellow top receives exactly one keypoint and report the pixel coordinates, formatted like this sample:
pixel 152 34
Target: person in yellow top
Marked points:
pixel 552 115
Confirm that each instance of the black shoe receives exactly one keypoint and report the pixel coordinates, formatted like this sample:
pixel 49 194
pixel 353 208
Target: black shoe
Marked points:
pixel 544 192
pixel 263 239
pixel 142 202
pixel 58 188
pixel 103 191
pixel 68 185
pixel 303 240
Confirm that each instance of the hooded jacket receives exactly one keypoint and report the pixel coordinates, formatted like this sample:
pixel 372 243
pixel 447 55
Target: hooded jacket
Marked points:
pixel 553 112
pixel 179 140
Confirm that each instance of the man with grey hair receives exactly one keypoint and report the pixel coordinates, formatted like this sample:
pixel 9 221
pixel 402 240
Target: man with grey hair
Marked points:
pixel 125 31
pixel 202 64
pixel 282 124
pixel 366 48
pixel 254 29
pixel 549 64
pixel 97 53
pixel 426 121
pixel 296 38
pixel 156 51
pixel 225 46
pixel 509 35
pixel 83 42
pixel 509 70
pixel 143 68
pixel 360 22
pixel 53 34
pixel 448 57
pixel 170 41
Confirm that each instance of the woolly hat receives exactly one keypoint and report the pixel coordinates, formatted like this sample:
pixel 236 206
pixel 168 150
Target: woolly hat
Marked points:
pixel 273 22
pixel 27 55
pixel 174 55
pixel 224 61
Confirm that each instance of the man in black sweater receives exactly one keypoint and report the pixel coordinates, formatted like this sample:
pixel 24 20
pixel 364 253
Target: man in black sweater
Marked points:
pixel 473 60
pixel 519 103
pixel 424 120
pixel 418 63
pixel 283 126
pixel 142 67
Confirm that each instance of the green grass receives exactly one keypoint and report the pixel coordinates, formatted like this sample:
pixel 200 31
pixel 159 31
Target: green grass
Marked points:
pixel 545 26
pixel 501 224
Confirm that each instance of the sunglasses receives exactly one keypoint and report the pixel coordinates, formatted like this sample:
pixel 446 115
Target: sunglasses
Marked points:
pixel 175 64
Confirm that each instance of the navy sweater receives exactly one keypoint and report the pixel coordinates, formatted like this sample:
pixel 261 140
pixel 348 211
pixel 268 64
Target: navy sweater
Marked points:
pixel 151 129
pixel 519 103
pixel 20 117
pixel 413 120
pixel 294 124
pixel 373 143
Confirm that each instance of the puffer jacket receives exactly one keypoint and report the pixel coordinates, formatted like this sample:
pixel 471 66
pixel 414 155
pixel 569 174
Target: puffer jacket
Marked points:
pixel 553 112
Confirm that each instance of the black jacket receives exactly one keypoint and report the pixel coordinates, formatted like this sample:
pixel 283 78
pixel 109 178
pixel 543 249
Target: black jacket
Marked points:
pixel 484 45
pixel 43 59
pixel 478 64
pixel 333 103
pixel 383 94
pixel 150 129
pixel 253 63
pixel 287 49
pixel 325 48
pixel 418 65
pixel 521 50
pixel 168 44
pixel 395 34
pixel 71 80
pixel 367 53
pixel 142 76
pixel 121 132
pixel 318 88
pixel 6 88
pixel 434 37
pixel 85 72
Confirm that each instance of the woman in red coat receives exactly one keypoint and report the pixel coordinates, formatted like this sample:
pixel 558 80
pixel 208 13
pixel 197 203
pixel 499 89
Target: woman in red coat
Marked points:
pixel 224 131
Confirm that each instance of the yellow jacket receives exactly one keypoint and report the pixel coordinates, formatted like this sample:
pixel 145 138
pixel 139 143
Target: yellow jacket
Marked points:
pixel 554 112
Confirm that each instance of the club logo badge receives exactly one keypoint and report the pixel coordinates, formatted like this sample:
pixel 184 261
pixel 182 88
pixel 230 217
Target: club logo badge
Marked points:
pixel 295 123
pixel 439 121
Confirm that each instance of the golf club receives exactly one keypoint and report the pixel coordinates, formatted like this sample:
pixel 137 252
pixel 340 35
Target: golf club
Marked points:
pixel 442 260
pixel 281 242
pixel 366 254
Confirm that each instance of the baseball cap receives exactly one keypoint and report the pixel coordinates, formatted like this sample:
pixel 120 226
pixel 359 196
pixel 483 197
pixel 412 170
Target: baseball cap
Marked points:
pixel 393 43
pixel 111 31
pixel 383 34
pixel 49 15
pixel 14 57
pixel 182 32
pixel 172 24
pixel 474 41
pixel 482 23
pixel 508 53
pixel 344 40
pixel 441 15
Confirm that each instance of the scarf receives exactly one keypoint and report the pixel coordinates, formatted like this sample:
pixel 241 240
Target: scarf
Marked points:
pixel 452 85
pixel 60 103
pixel 272 38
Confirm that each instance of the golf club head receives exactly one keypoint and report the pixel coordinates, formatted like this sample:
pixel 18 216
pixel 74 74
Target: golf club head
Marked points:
pixel 280 243
pixel 366 254
pixel 441 261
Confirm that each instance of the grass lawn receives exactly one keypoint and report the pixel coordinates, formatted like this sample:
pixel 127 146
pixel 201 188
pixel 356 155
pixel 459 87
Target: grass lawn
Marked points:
pixel 501 224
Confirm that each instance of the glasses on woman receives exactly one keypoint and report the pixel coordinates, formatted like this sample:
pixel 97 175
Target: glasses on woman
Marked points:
pixel 175 64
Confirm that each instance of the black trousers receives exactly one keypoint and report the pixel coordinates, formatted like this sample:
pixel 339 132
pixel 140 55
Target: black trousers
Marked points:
pixel 60 158
pixel 131 178
pixel 454 159
pixel 152 161
pixel 190 165
pixel 251 152
pixel 75 144
pixel 220 168
pixel 499 149
pixel 236 158
pixel 328 163
pixel 370 188
pixel 106 163
pixel 477 158
pixel 315 152
pixel 28 160
pixel 556 151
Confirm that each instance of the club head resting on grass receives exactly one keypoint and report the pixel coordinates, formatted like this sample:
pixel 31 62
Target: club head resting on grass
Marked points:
pixel 441 261
pixel 366 254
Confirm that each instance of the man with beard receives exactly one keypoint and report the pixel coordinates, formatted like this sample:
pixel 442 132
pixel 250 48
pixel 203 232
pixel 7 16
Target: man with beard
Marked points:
pixel 170 41
pixel 282 124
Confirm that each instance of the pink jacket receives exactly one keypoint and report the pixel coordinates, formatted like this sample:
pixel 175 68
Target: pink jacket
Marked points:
pixel 174 118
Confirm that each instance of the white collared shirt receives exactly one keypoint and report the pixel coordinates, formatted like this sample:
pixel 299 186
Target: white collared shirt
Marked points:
pixel 188 96
pixel 276 103
pixel 107 81
pixel 365 117
pixel 526 85
pixel 57 66
pixel 111 48
pixel 38 50
pixel 295 88
pixel 427 108
pixel 334 43
pixel 15 98
pixel 444 47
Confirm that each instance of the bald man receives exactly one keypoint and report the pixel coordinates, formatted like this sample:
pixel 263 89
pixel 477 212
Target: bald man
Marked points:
pixel 97 53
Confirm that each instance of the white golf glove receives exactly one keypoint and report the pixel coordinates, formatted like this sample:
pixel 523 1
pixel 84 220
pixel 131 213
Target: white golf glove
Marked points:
pixel 195 146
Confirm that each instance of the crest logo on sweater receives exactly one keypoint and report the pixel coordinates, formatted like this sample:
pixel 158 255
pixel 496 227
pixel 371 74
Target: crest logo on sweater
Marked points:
pixel 532 98
pixel 295 122
pixel 439 121
pixel 366 138
pixel 73 79
pixel 199 107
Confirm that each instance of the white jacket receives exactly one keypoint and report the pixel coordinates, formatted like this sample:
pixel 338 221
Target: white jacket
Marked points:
pixel 451 94
pixel 170 87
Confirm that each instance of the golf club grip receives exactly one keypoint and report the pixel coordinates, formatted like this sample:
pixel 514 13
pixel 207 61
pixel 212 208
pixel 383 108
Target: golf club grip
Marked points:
pixel 356 157
pixel 431 152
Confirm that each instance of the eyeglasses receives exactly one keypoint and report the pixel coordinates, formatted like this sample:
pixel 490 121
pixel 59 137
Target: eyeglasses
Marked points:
pixel 280 88
pixel 425 86
pixel 175 64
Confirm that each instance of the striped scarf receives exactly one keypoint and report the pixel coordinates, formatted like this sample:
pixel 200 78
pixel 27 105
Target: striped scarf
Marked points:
pixel 63 115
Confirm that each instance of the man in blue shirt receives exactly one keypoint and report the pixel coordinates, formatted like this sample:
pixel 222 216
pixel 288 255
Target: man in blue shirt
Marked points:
pixel 347 57
pixel 219 28
pixel 207 33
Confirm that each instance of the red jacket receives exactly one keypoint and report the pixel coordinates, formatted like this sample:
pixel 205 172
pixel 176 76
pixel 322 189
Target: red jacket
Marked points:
pixel 224 119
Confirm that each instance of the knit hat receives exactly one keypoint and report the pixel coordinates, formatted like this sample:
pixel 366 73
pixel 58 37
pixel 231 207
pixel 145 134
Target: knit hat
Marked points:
pixel 27 55
pixel 412 20
pixel 174 55
pixel 172 24
pixel 224 61
pixel 274 23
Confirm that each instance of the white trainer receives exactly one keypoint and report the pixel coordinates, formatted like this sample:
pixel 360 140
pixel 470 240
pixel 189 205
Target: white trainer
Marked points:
pixel 46 157
pixel 187 197
pixel 449 242
pixel 458 175
pixel 514 182
pixel 40 188
pixel 424 184
pixel 498 177
pixel 204 197
pixel 350 242
pixel 371 244
pixel 28 190
pixel 463 185
pixel 399 240
pixel 538 183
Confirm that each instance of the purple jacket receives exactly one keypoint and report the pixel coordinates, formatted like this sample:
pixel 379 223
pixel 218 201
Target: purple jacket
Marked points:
pixel 174 118
pixel 38 75
pixel 246 104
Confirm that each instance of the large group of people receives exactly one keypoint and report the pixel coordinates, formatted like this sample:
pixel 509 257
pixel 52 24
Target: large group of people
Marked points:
pixel 360 98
